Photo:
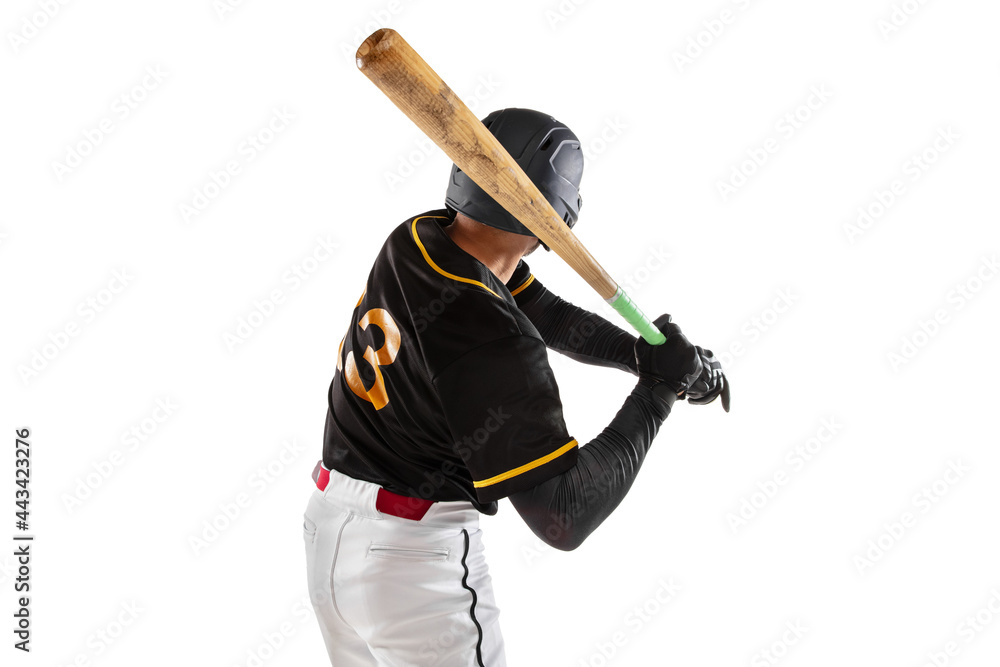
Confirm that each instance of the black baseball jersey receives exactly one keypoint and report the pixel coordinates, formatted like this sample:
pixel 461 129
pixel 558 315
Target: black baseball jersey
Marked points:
pixel 443 388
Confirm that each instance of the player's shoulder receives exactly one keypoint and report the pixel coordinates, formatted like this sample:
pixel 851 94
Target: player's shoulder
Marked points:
pixel 430 266
pixel 453 302
pixel 407 233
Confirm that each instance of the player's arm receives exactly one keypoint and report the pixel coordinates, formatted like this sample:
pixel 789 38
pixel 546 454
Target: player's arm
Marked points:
pixel 566 508
pixel 569 329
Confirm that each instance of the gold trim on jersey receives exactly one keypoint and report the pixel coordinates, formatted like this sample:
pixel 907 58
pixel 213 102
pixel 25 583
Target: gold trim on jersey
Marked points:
pixel 427 258
pixel 518 290
pixel 526 467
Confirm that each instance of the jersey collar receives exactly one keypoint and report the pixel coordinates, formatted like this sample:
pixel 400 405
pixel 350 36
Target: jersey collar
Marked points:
pixel 445 257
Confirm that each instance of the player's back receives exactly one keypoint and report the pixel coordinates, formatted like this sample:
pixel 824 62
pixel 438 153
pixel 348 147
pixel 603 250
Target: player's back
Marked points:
pixel 426 304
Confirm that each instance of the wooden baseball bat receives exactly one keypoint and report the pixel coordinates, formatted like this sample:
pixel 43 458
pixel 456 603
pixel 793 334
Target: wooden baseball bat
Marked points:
pixel 419 92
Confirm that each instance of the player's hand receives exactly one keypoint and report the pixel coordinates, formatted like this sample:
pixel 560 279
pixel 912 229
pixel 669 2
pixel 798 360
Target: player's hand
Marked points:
pixel 670 368
pixel 712 382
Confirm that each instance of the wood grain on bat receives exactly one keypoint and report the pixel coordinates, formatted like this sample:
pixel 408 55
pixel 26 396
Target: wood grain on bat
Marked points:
pixel 423 96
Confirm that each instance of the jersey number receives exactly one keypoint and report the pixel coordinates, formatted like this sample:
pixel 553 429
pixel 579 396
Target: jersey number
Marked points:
pixel 383 356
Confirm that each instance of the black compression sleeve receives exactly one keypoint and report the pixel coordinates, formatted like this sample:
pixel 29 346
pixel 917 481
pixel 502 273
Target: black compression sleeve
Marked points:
pixel 565 509
pixel 573 331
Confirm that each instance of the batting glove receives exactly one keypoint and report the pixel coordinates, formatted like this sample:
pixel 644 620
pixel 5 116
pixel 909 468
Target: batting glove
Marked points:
pixel 712 382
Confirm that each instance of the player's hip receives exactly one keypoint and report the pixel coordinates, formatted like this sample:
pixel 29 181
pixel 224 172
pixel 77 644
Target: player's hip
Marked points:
pixel 418 589
pixel 341 493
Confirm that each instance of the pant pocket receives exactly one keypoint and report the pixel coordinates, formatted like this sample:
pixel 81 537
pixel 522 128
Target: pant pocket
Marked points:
pixel 407 553
pixel 308 530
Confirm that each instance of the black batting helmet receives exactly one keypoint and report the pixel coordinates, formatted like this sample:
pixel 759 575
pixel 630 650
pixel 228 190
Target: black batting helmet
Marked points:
pixel 547 151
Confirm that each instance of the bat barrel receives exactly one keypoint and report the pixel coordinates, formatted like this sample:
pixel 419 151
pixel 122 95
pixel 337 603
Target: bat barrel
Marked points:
pixel 416 89
pixel 369 48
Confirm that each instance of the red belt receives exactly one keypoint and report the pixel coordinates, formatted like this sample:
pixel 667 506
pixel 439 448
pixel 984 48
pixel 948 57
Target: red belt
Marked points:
pixel 386 502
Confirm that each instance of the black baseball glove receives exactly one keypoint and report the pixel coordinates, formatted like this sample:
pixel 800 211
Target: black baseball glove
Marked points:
pixel 671 368
pixel 712 382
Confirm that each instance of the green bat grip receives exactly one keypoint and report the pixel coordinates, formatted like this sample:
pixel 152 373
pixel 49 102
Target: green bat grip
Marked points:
pixel 627 308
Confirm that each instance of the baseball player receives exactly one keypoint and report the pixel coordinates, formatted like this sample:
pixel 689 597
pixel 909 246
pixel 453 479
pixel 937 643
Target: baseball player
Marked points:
pixel 443 403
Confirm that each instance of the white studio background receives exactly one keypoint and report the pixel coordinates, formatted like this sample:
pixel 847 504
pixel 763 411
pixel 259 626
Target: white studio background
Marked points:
pixel 731 144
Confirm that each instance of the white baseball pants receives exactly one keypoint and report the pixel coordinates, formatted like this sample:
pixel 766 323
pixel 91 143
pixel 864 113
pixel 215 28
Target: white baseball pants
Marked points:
pixel 393 592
